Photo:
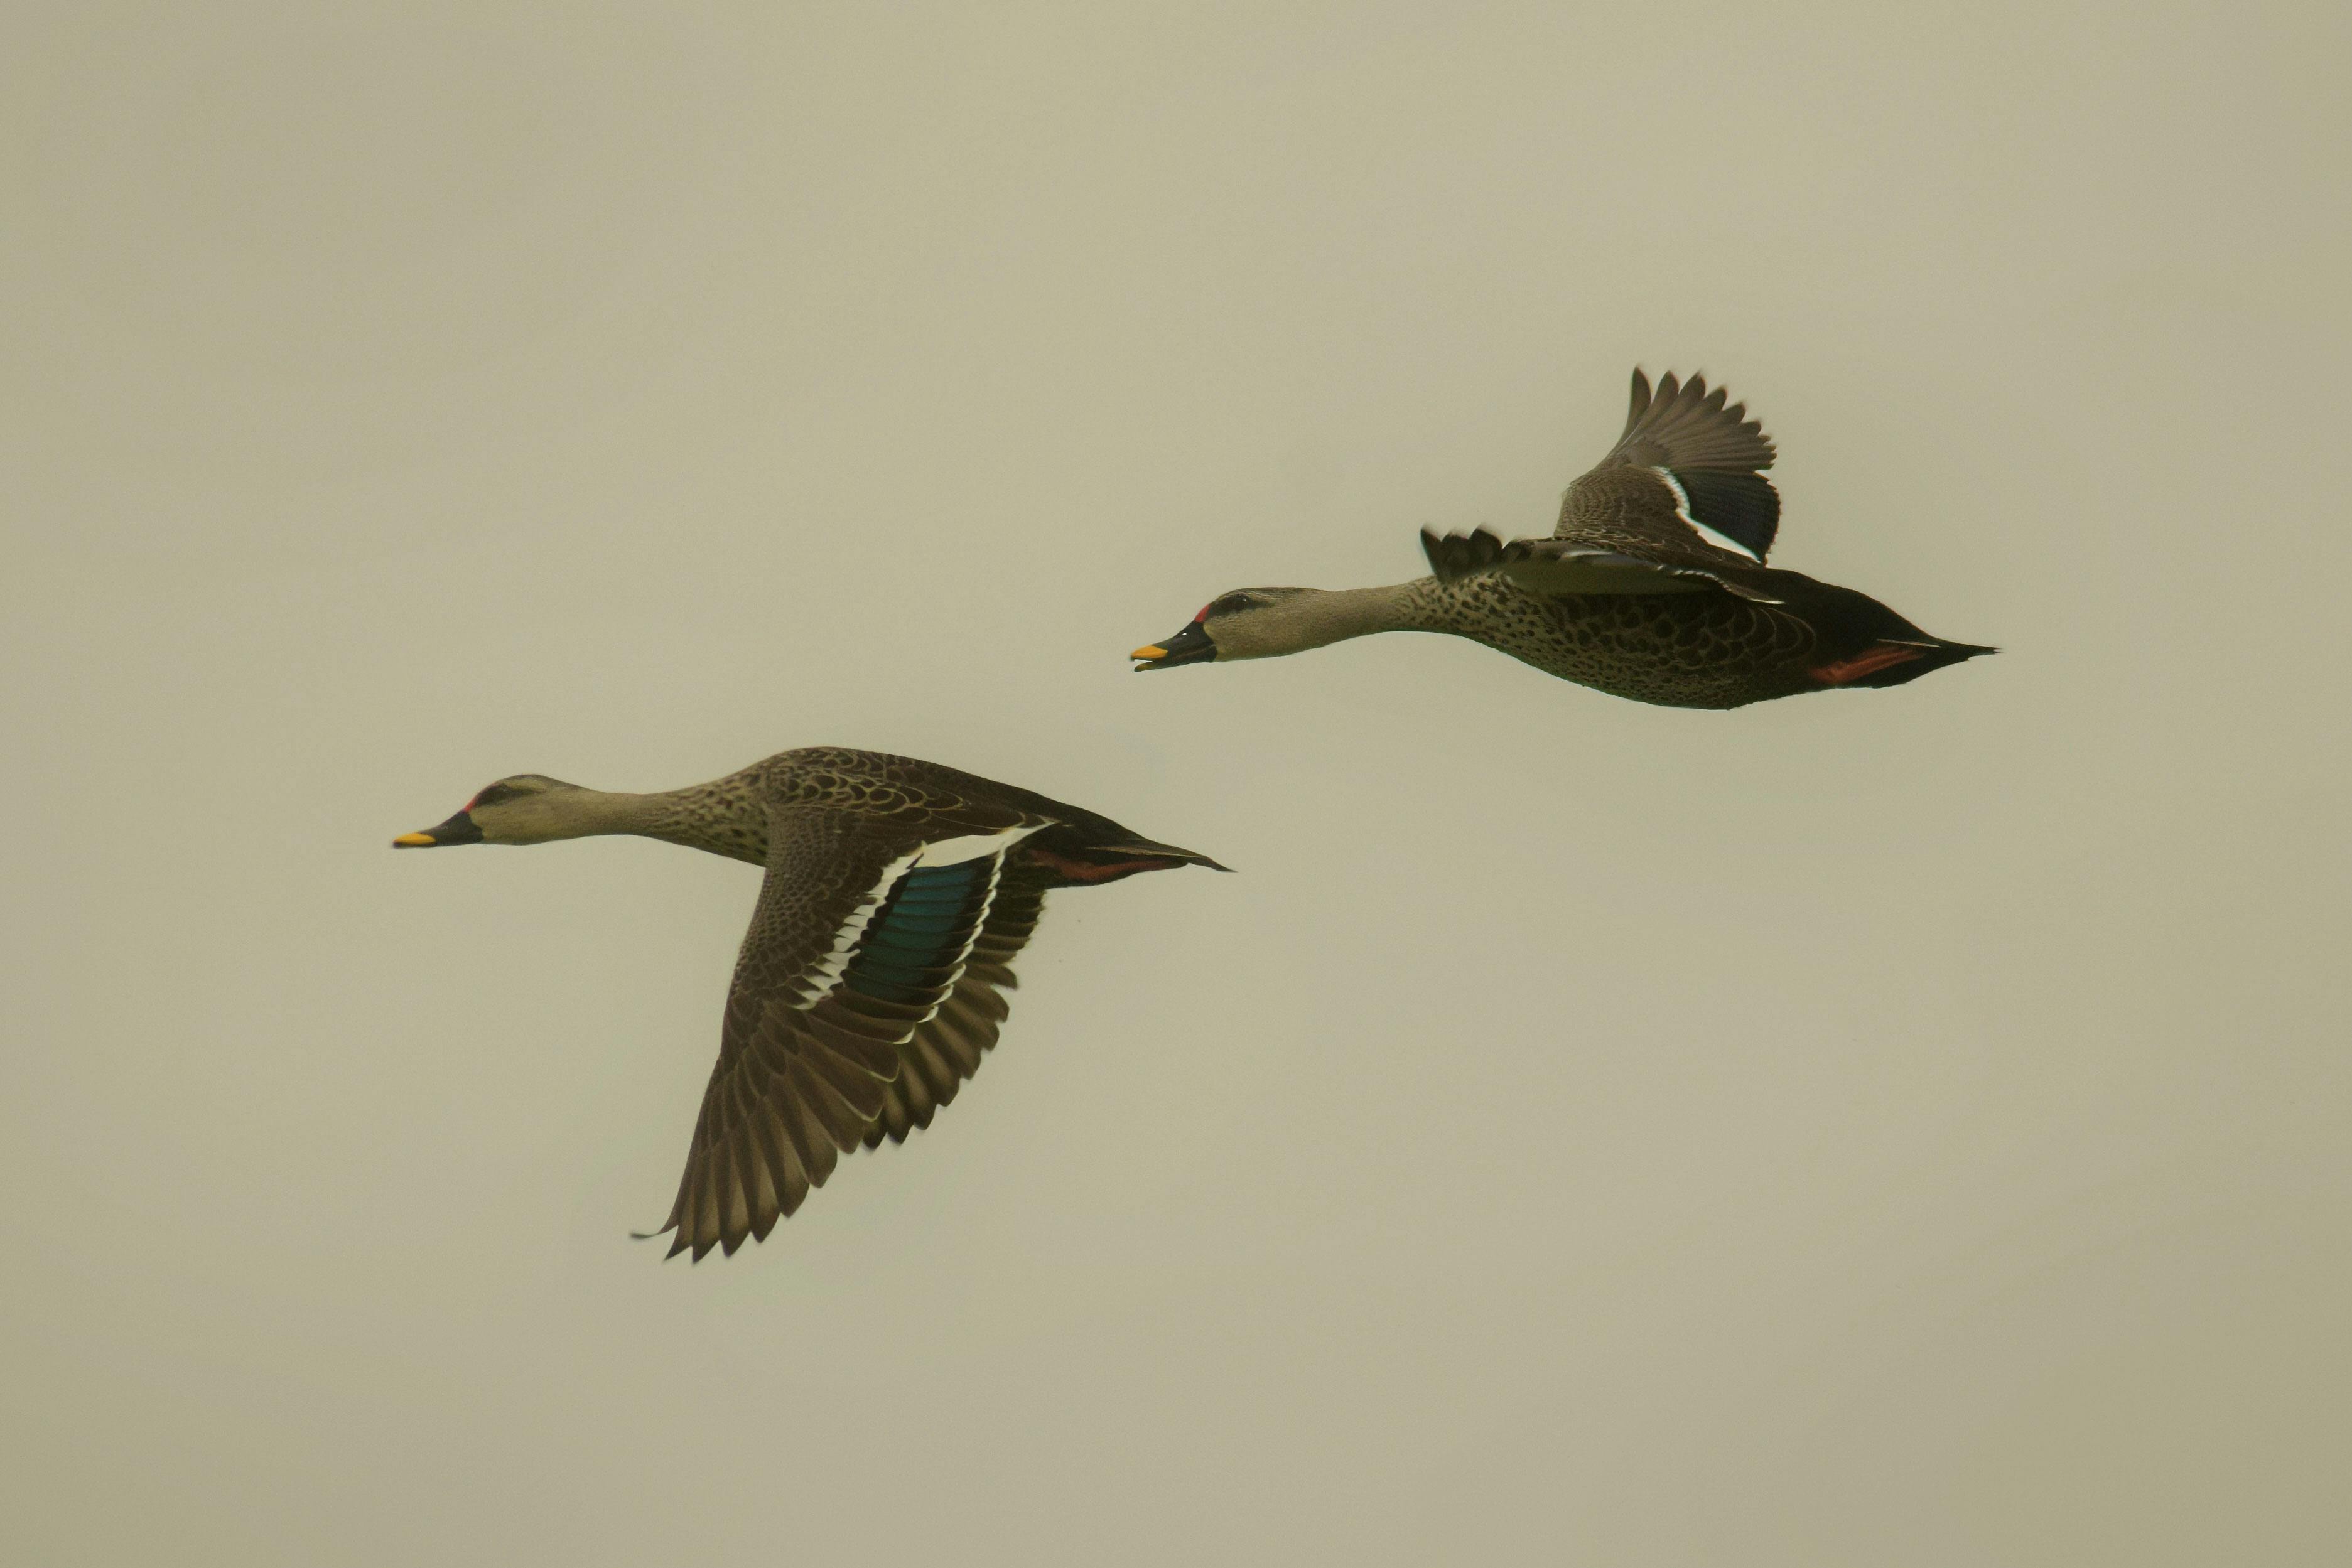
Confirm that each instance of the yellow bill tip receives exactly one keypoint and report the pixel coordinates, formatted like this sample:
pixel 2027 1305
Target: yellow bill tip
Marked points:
pixel 1150 650
pixel 415 841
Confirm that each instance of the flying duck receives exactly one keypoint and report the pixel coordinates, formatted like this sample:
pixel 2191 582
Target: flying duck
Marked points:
pixel 1652 587
pixel 898 894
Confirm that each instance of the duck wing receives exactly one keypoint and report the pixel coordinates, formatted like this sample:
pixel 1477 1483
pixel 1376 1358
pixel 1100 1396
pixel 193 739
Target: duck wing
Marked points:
pixel 1081 849
pixel 1680 504
pixel 1685 481
pixel 865 932
pixel 946 1049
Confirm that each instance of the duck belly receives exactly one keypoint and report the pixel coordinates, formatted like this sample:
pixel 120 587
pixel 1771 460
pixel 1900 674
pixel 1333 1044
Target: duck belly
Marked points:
pixel 1675 650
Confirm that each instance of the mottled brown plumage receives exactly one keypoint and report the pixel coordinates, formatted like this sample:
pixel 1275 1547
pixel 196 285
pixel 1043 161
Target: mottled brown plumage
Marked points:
pixel 1652 586
pixel 898 894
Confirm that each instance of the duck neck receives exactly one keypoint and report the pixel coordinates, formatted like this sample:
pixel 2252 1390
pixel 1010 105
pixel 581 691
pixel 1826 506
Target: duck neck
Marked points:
pixel 723 817
pixel 1336 614
pixel 595 813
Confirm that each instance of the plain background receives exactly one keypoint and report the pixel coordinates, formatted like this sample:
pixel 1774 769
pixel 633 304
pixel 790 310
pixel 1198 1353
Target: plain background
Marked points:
pixel 1882 1128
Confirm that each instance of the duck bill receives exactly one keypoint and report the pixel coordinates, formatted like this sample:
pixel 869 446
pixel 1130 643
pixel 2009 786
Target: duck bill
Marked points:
pixel 458 830
pixel 1189 646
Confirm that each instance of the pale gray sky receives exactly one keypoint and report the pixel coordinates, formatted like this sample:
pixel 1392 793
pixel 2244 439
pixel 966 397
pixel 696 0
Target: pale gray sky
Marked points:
pixel 1883 1128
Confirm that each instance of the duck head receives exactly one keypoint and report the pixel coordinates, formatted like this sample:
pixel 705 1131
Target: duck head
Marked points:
pixel 523 809
pixel 1247 623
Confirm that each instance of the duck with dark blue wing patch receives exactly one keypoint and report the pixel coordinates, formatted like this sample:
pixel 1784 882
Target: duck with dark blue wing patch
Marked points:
pixel 1653 585
pixel 898 894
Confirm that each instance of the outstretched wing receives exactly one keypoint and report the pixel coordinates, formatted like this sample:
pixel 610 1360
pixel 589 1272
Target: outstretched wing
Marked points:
pixel 934 1062
pixel 1683 482
pixel 1679 505
pixel 863 935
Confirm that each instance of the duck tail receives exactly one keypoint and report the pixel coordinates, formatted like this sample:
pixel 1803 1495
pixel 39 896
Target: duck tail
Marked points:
pixel 1148 848
pixel 1874 645
pixel 1932 653
pixel 1082 859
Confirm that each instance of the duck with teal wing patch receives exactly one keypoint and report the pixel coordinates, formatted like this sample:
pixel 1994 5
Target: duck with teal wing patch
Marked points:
pixel 898 894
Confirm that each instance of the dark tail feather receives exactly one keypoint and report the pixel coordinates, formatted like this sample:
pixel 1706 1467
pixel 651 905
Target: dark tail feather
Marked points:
pixel 1129 849
pixel 1888 649
pixel 1937 655
pixel 1082 859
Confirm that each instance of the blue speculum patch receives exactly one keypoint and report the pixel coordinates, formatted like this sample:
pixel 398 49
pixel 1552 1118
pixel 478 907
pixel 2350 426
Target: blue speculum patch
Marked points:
pixel 922 929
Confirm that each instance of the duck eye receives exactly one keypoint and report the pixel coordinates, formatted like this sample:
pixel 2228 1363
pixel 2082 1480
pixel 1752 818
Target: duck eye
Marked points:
pixel 1225 605
pixel 492 796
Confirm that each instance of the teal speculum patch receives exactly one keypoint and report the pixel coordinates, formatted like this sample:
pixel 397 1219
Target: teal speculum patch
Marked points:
pixel 921 932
